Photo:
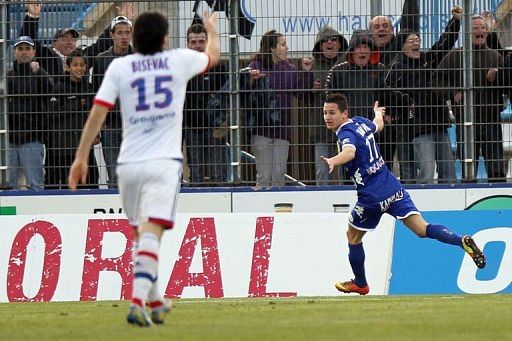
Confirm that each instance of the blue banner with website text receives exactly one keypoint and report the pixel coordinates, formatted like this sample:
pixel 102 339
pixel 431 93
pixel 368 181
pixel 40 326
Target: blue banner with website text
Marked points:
pixel 426 266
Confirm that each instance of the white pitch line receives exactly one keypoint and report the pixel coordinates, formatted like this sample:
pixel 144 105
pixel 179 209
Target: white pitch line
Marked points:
pixel 305 299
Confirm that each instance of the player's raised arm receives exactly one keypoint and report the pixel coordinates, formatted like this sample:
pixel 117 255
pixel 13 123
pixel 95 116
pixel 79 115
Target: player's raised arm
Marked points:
pixel 379 116
pixel 213 44
pixel 78 171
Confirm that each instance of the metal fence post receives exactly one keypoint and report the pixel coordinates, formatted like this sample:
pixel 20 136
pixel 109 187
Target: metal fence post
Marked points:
pixel 3 85
pixel 375 8
pixel 468 129
pixel 234 116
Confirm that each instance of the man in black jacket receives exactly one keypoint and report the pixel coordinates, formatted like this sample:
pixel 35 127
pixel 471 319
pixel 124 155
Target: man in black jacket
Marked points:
pixel 422 127
pixel 487 98
pixel 381 28
pixel 111 136
pixel 70 107
pixel 28 86
pixel 204 150
pixel 329 49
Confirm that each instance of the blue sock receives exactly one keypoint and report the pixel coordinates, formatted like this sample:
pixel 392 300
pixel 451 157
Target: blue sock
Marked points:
pixel 356 259
pixel 443 234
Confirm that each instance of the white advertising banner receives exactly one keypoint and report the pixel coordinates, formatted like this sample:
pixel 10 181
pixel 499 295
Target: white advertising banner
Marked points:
pixel 67 203
pixel 446 199
pixel 88 257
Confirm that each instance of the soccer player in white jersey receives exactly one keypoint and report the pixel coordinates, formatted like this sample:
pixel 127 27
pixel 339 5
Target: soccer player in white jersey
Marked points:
pixel 378 190
pixel 151 86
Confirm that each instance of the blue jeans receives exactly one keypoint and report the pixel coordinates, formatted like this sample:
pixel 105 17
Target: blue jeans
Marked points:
pixel 431 150
pixel 206 152
pixel 322 175
pixel 30 157
pixel 111 143
pixel 405 156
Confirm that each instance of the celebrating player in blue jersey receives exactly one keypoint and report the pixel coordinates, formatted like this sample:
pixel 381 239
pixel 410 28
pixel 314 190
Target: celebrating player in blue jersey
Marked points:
pixel 378 190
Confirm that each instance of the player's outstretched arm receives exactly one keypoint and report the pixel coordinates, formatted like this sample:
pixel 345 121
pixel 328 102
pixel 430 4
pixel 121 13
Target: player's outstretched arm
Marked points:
pixel 379 116
pixel 213 44
pixel 78 171
pixel 347 154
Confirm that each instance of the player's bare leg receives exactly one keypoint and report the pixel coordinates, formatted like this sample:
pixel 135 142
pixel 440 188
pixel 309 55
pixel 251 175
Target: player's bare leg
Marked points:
pixel 443 234
pixel 356 257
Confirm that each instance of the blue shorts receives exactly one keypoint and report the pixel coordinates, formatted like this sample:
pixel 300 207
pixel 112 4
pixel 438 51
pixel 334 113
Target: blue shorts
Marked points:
pixel 366 216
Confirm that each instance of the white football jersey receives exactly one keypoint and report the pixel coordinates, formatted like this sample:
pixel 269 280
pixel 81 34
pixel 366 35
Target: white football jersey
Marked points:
pixel 151 91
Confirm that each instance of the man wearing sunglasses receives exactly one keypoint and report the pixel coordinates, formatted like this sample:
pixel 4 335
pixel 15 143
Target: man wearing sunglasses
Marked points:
pixel 329 50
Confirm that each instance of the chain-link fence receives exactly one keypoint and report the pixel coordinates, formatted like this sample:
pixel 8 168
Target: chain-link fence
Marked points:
pixel 441 71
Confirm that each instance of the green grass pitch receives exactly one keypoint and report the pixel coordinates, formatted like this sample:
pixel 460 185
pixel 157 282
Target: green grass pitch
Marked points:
pixel 461 317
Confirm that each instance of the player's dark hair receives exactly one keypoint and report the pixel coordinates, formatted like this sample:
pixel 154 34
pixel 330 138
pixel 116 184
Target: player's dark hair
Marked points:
pixel 339 99
pixel 149 32
pixel 196 29
pixel 76 54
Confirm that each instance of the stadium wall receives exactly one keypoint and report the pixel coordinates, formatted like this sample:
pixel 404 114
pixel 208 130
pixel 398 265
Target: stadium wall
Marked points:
pixel 239 200
pixel 248 250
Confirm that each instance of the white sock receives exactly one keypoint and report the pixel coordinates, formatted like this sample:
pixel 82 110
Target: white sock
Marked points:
pixel 155 299
pixel 146 267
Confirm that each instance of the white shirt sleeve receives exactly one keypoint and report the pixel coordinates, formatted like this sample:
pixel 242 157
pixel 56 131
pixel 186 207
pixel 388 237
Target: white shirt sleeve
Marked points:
pixel 109 88
pixel 194 62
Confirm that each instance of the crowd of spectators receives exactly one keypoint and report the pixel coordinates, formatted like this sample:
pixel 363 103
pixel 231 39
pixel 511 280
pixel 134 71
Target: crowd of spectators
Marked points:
pixel 50 89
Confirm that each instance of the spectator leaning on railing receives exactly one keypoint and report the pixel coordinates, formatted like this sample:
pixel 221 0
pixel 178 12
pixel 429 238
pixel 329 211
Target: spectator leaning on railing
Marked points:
pixel 28 86
pixel 271 71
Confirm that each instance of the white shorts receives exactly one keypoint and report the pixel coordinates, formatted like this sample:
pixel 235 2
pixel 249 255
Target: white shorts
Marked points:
pixel 149 190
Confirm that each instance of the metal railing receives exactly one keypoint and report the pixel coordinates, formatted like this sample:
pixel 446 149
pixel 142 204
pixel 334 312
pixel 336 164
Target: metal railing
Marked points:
pixel 242 25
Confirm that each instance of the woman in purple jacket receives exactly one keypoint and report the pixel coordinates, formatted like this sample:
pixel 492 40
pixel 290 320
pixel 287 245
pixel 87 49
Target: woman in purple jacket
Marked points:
pixel 271 137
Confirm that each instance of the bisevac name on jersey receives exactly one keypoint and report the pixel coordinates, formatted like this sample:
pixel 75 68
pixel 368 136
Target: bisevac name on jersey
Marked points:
pixel 150 64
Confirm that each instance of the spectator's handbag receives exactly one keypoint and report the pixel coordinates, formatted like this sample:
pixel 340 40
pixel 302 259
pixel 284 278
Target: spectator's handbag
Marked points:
pixel 218 103
pixel 264 105
pixel 217 106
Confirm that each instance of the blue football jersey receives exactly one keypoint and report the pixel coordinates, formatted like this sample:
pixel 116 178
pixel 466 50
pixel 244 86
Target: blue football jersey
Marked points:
pixel 373 180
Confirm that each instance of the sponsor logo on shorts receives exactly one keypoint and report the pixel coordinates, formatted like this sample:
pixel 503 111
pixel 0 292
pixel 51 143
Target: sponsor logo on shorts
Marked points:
pixel 384 205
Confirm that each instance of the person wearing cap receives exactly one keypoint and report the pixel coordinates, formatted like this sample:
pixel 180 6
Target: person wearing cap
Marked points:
pixel 422 128
pixel 121 34
pixel 53 58
pixel 27 107
pixel 329 50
